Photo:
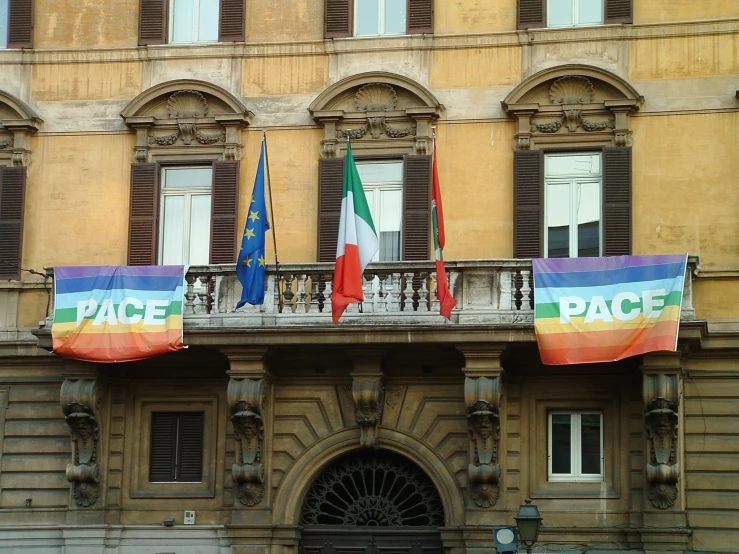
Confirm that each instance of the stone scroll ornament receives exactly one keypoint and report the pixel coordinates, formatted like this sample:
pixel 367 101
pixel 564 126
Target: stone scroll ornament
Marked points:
pixel 482 396
pixel 246 397
pixel 369 399
pixel 80 402
pixel 661 401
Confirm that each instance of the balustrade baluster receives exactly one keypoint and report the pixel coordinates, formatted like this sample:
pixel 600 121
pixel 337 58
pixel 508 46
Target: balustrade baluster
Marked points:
pixel 327 292
pixel 423 293
pixel 395 292
pixel 381 294
pixel 369 294
pixel 504 281
pixel 201 308
pixel 407 300
pixel 287 296
pixel 313 306
pixel 525 291
pixel 300 306
pixel 190 295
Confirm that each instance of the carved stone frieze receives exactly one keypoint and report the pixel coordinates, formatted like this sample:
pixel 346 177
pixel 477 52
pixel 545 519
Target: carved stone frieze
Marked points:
pixel 353 134
pixel 6 143
pixel 187 104
pixel 551 127
pixel 375 97
pixel 246 399
pixel 368 394
pixel 661 404
pixel 80 400
pixel 482 397
pixel 572 89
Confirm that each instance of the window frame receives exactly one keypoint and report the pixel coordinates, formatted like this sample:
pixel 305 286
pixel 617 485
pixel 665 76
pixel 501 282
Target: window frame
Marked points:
pixel 195 24
pixel 571 180
pixel 575 13
pixel 187 193
pixel 381 21
pixel 575 475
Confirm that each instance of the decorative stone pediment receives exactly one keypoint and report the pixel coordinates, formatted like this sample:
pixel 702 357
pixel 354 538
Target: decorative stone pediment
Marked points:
pixel 380 111
pixel 573 104
pixel 17 123
pixel 186 117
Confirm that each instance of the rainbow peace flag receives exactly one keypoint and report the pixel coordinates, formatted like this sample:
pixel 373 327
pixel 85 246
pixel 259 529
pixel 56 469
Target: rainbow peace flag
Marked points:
pixel 116 313
pixel 605 309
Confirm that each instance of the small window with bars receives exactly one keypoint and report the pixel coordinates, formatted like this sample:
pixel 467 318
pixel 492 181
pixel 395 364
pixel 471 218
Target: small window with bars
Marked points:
pixel 176 447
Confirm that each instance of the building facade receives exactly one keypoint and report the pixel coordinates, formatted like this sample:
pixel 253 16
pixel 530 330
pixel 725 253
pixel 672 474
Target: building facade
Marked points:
pixel 130 133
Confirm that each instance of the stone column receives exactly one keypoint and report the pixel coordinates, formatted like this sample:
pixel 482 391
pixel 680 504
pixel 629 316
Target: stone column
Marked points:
pixel 665 521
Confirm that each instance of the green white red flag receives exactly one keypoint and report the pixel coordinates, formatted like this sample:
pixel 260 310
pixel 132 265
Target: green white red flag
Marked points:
pixel 357 243
pixel 446 300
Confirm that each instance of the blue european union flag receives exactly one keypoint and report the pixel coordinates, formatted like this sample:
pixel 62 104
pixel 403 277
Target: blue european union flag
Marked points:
pixel 250 266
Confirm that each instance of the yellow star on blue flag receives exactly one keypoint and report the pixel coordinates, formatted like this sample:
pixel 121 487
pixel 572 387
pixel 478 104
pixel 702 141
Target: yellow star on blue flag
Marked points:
pixel 250 266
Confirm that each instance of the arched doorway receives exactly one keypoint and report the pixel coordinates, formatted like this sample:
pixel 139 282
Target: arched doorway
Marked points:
pixel 372 502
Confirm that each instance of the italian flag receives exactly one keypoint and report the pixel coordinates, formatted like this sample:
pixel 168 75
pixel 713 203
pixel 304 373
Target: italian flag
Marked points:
pixel 357 242
pixel 446 300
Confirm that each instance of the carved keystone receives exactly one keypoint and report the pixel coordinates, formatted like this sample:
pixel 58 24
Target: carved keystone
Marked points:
pixel 482 397
pixel 80 401
pixel 661 398
pixel 368 394
pixel 246 399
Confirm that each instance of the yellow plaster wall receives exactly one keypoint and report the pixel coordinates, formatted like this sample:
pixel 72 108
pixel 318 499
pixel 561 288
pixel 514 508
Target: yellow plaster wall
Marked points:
pixel 284 75
pixel 715 298
pixel 476 178
pixel 663 11
pixel 86 24
pixel 296 20
pixel 77 200
pixel 32 306
pixel 474 16
pixel 684 57
pixel 686 187
pixel 293 170
pixel 475 67
pixel 85 81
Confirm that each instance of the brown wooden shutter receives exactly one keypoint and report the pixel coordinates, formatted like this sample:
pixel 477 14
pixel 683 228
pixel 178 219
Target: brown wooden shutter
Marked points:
pixel 420 16
pixel 20 24
pixel 224 212
pixel 618 11
pixel 416 207
pixel 616 201
pixel 528 186
pixel 163 446
pixel 144 215
pixel 152 22
pixel 231 21
pixel 190 463
pixel 338 18
pixel 12 199
pixel 532 14
pixel 330 190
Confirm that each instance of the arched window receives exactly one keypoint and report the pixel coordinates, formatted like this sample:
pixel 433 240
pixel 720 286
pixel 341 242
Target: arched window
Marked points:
pixel 388 119
pixel 185 175
pixel 572 167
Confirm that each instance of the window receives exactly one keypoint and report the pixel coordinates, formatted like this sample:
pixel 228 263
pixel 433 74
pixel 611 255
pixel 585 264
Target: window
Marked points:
pixel 193 21
pixel 176 447
pixel 184 236
pixel 4 16
pixel 12 197
pixel 572 205
pixel 571 13
pixel 380 17
pixel 575 446
pixel 383 186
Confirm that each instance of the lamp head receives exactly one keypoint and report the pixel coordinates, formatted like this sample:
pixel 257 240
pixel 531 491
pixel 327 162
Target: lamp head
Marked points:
pixel 528 522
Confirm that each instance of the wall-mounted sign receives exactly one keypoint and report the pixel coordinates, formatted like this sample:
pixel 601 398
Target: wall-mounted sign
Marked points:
pixel 605 309
pixel 116 313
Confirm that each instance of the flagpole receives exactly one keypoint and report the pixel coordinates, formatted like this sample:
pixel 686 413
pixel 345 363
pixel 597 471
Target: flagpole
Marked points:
pixel 272 217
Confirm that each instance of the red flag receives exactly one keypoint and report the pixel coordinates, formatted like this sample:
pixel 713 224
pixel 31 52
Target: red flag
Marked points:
pixel 437 217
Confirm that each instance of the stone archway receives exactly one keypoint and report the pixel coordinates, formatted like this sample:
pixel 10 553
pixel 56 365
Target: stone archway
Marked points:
pixel 372 501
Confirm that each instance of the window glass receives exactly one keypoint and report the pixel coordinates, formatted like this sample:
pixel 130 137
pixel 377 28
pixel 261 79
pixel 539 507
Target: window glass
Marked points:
pixel 380 17
pixel 383 186
pixel 390 220
pixel 572 205
pixel 208 21
pixel 590 12
pixel 4 12
pixel 182 17
pixel 590 440
pixel 560 13
pixel 561 444
pixel 194 21
pixel 184 232
pixel 566 13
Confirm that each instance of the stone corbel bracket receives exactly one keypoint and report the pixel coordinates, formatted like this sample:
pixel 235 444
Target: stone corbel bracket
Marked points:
pixel 661 403
pixel 368 394
pixel 80 402
pixel 246 399
pixel 482 397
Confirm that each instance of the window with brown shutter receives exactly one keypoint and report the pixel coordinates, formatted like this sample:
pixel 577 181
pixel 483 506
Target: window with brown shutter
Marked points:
pixel 528 185
pixel 224 206
pixel 616 201
pixel 20 24
pixel 176 452
pixel 330 189
pixel 533 14
pixel 154 24
pixel 12 199
pixel 339 18
pixel 416 207
pixel 144 214
pixel 618 11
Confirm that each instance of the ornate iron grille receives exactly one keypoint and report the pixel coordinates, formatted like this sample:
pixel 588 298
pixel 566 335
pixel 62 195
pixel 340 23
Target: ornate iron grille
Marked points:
pixel 373 489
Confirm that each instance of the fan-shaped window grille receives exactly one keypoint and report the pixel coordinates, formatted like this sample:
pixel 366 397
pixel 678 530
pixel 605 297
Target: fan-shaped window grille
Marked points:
pixel 378 489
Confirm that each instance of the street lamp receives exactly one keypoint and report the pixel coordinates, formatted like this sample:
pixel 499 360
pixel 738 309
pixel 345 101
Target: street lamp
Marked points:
pixel 528 522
